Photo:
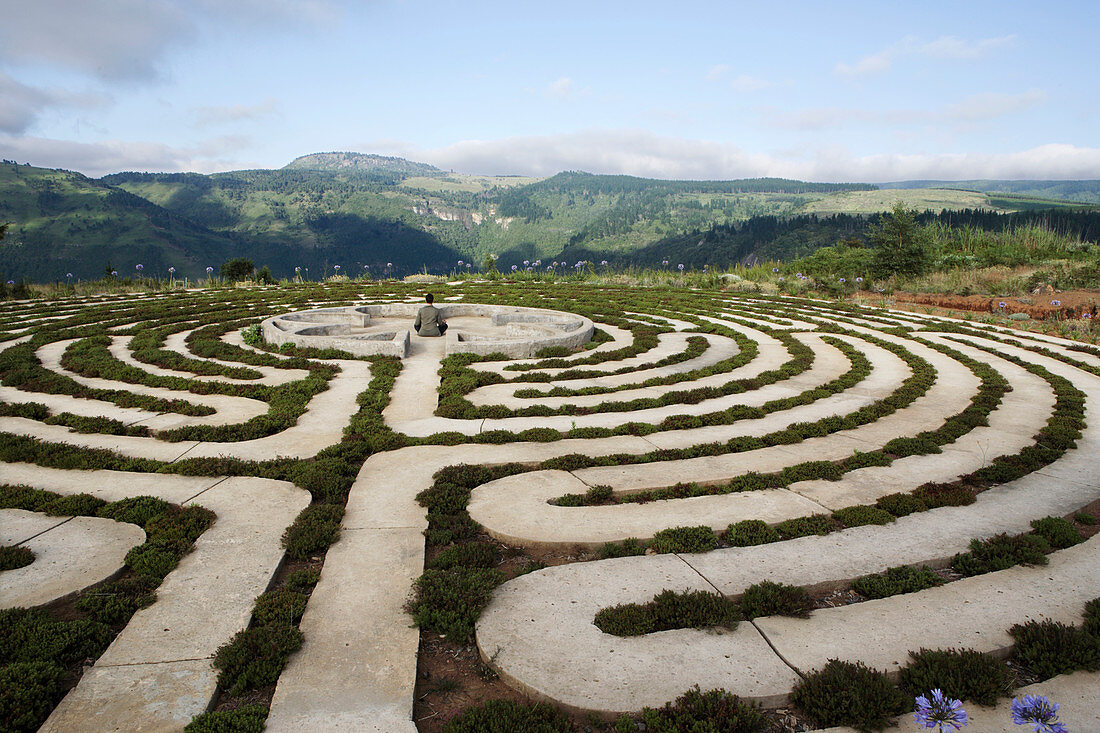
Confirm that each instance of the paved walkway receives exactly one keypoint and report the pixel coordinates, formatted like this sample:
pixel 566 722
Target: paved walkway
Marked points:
pixel 540 625
pixel 357 669
pixel 70 554
pixel 157 674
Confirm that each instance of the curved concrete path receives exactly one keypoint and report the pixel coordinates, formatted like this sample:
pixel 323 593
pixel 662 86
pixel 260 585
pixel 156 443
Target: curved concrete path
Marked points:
pixel 541 624
pixel 157 673
pixel 70 554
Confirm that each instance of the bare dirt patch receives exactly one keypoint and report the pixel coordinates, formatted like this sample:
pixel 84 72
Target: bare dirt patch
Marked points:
pixel 1049 305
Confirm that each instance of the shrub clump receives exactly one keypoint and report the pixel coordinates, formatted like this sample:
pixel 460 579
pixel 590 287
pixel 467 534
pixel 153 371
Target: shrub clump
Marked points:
pixel 245 719
pixel 449 601
pixel 963 674
pixel 1050 648
pixel 73 505
pixel 470 554
pixel 749 532
pixel 28 692
pixel 315 528
pixel 114 603
pixel 14 557
pixel 1001 552
pixel 628 547
pixel 135 510
pixel 503 716
pixel 255 657
pixel 774 599
pixel 685 539
pixel 847 693
pixel 669 610
pixel 1057 532
pixel 32 636
pixel 282 605
pixel 856 516
pixel 713 711
pixel 895 581
pixel 819 524
pixel 901 505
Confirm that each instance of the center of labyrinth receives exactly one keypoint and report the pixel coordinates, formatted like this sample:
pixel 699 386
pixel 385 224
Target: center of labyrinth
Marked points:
pixel 593 488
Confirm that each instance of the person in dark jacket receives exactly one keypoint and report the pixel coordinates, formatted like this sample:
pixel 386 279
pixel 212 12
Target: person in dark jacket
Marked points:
pixel 429 321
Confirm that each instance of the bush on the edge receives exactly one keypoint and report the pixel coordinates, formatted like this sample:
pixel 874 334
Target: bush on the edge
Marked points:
pixel 255 657
pixel 315 528
pixel 847 693
pixel 963 674
pixel 246 719
pixel 504 715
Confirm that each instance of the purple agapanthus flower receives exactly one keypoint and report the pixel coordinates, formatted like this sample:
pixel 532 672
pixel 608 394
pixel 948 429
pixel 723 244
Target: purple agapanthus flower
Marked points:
pixel 139 267
pixel 68 274
pixel 939 712
pixel 1055 303
pixel 681 265
pixel 209 269
pixel 171 270
pixel 1039 712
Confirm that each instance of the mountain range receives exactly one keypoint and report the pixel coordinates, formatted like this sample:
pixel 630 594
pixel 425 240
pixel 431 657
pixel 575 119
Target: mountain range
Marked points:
pixel 385 215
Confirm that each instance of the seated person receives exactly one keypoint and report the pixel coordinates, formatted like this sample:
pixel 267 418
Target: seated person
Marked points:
pixel 429 321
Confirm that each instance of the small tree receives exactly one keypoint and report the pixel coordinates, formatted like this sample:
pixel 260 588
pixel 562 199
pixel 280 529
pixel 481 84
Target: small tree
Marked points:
pixel 902 247
pixel 490 264
pixel 238 268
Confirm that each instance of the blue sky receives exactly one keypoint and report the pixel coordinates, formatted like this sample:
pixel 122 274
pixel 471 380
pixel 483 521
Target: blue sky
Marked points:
pixel 839 91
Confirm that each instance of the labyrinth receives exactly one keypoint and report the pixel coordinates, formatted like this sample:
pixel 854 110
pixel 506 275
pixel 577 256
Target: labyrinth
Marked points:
pixel 198 520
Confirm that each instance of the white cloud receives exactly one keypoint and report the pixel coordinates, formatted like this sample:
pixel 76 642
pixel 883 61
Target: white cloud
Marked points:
pixel 564 88
pixel 872 64
pixel 986 106
pixel 950 47
pixel 642 153
pixel 221 114
pixel 974 108
pixel 717 72
pixel 21 105
pixel 629 152
pixel 272 12
pixel 745 83
pixel 112 156
pixel 944 47
pixel 123 39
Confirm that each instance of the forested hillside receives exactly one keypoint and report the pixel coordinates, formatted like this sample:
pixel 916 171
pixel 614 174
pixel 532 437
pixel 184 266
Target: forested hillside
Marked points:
pixel 393 216
pixel 772 238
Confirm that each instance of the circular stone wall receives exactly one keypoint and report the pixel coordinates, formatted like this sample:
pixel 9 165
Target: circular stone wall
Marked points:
pixel 367 330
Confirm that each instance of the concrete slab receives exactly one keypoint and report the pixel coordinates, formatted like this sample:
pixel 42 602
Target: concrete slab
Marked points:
pixel 551 650
pixel 70 554
pixel 973 613
pixel 355 623
pixel 150 698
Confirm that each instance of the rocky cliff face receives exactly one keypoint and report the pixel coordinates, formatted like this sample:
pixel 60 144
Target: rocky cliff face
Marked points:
pixel 361 163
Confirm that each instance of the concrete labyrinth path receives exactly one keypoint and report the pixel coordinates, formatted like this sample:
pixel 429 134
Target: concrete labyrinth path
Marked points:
pixel 689 409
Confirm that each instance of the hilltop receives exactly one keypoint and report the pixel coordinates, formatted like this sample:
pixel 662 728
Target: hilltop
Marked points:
pixel 345 162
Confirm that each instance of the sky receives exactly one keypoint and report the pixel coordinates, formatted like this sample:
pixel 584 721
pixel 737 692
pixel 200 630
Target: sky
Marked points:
pixel 870 91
